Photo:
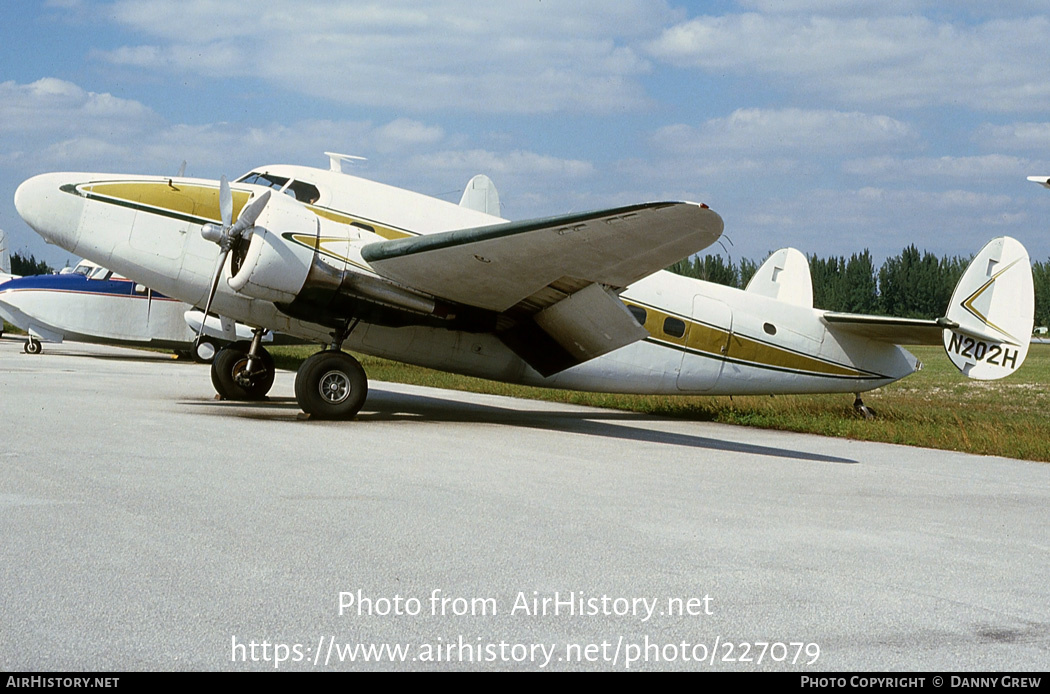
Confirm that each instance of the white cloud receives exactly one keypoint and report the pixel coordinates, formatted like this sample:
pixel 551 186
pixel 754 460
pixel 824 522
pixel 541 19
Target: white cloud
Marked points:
pixel 903 61
pixel 54 105
pixel 973 168
pixel 536 57
pixel 1028 137
pixel 801 132
pixel 517 164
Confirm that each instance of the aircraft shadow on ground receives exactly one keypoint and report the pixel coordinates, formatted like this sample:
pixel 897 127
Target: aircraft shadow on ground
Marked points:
pixel 387 406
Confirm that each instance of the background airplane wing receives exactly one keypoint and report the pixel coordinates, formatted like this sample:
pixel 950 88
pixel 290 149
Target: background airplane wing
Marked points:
pixel 496 267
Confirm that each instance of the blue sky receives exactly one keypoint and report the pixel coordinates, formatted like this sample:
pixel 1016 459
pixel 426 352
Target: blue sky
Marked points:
pixel 827 125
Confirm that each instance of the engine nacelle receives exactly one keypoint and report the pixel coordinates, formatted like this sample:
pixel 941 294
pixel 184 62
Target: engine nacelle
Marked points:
pixel 274 268
pixel 297 260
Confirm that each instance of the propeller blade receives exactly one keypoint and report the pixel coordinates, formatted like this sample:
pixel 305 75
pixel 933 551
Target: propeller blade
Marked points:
pixel 211 294
pixel 250 212
pixel 225 203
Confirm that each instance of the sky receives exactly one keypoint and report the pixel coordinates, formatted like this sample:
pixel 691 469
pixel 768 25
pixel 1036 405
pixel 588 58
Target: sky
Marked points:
pixel 831 126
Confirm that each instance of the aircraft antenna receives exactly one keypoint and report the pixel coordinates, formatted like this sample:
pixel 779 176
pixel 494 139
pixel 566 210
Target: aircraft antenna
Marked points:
pixel 335 160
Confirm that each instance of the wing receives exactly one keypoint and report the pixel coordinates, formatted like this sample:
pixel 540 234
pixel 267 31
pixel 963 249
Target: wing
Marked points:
pixel 897 331
pixel 496 267
pixel 556 279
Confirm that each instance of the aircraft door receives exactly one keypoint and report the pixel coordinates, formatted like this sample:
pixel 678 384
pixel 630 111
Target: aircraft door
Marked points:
pixel 706 344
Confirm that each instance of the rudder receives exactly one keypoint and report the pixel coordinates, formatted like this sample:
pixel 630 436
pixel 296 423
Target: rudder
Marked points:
pixel 993 307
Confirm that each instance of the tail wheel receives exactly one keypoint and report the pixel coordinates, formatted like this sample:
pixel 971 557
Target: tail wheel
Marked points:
pixel 331 385
pixel 232 378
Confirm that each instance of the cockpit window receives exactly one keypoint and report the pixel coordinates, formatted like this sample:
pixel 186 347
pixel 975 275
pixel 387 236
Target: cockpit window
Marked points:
pixel 99 273
pixel 300 190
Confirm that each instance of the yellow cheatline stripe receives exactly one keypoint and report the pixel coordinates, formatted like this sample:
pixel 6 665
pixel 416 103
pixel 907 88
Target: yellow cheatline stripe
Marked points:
pixel 722 344
pixel 341 218
pixel 203 202
pixel 191 200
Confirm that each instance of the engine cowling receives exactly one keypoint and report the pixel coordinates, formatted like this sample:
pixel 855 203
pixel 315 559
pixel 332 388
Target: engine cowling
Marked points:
pixel 298 261
pixel 274 268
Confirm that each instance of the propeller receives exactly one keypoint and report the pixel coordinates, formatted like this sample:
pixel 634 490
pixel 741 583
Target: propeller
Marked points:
pixel 230 234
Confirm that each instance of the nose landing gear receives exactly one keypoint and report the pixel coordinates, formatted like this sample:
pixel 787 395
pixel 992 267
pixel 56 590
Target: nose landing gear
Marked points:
pixel 243 370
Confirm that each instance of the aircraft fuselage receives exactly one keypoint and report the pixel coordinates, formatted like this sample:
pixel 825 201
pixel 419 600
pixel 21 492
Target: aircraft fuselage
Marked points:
pixel 703 338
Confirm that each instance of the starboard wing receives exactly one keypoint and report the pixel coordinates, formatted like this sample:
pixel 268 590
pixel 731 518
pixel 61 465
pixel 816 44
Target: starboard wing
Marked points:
pixel 496 267
pixel 556 279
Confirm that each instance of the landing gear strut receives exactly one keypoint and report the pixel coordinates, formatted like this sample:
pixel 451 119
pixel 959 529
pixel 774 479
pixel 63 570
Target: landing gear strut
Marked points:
pixel 862 409
pixel 332 384
pixel 243 370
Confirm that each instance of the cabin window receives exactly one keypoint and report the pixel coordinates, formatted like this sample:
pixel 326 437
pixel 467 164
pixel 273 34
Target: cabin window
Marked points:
pixel 300 190
pixel 638 312
pixel 674 327
pixel 769 328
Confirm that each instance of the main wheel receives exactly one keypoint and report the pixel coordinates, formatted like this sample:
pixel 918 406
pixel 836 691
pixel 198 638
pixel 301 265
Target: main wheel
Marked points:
pixel 33 346
pixel 231 378
pixel 331 385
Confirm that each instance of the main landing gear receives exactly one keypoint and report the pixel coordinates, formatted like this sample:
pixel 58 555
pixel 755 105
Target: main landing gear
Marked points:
pixel 332 384
pixel 329 385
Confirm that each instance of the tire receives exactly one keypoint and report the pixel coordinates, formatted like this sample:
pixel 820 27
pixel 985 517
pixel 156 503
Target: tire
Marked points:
pixel 33 346
pixel 331 385
pixel 227 374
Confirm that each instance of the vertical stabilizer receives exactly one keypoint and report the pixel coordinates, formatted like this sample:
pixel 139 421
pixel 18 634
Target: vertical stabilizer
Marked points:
pixel 994 307
pixel 480 195
pixel 784 277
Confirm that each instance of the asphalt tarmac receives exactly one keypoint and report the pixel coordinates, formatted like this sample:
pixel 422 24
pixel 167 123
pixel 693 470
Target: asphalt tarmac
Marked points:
pixel 147 526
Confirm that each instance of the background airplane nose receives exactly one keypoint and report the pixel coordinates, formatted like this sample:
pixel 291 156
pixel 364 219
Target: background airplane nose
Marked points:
pixel 50 211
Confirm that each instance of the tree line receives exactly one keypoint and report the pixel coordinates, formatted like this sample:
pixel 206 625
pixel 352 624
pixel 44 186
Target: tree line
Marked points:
pixel 912 284
pixel 22 266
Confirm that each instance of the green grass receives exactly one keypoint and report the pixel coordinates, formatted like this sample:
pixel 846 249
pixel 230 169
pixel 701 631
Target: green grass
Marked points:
pixel 937 407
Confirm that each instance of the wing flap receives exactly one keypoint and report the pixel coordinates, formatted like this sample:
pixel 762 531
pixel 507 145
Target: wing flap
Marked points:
pixel 496 267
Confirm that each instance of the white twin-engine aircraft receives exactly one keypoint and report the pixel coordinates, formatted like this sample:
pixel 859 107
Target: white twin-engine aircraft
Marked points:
pixel 577 301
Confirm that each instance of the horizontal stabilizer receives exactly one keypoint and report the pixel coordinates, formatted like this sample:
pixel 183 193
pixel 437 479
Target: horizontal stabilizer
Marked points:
pixel 988 326
pixel 784 277
pixel 495 267
pixel 896 331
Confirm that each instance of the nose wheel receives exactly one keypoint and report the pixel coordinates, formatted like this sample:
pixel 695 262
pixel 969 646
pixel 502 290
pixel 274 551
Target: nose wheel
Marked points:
pixel 331 385
pixel 33 346
pixel 236 376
